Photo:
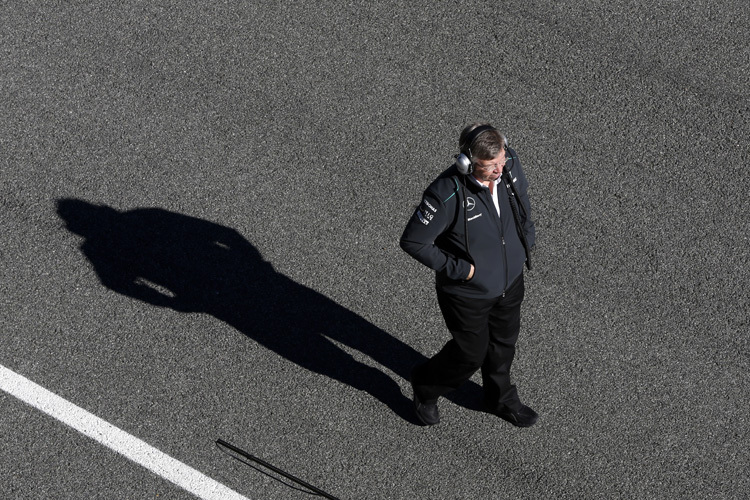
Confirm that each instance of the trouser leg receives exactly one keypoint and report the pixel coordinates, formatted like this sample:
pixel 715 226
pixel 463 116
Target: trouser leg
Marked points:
pixel 504 326
pixel 456 362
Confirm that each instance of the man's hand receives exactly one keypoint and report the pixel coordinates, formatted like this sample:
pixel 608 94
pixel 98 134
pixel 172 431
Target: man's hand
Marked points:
pixel 471 273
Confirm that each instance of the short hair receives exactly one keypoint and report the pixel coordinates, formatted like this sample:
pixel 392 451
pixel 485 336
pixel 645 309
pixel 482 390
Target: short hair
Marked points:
pixel 485 146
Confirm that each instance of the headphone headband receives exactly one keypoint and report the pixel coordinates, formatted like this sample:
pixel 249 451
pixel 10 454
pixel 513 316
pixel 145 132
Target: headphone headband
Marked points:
pixel 472 136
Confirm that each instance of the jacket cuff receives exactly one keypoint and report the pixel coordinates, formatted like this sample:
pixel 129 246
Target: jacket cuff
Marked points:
pixel 463 270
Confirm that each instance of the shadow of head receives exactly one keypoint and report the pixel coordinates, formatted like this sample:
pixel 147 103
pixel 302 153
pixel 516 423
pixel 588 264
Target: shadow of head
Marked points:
pixel 84 218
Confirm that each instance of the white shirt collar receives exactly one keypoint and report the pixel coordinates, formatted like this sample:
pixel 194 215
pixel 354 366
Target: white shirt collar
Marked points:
pixel 482 185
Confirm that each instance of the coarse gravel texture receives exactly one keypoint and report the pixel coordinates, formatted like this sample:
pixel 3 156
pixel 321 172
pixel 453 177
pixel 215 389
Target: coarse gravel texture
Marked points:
pixel 201 205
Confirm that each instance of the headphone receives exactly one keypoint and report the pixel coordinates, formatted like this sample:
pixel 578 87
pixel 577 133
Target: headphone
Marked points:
pixel 464 163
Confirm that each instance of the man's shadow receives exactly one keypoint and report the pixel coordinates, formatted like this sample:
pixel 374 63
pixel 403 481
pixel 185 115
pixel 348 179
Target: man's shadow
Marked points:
pixel 192 265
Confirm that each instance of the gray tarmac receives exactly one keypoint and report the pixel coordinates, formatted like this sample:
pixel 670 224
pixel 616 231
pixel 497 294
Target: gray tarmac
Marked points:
pixel 201 206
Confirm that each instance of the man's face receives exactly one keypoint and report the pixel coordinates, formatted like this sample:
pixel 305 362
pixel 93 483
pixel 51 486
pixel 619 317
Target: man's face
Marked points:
pixel 490 170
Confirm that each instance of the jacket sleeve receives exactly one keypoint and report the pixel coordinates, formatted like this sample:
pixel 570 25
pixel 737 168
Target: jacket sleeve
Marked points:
pixel 431 219
pixel 522 187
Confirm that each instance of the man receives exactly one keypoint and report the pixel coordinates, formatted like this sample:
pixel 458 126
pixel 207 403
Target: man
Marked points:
pixel 474 229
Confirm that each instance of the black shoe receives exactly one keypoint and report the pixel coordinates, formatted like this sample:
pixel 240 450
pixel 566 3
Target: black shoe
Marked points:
pixel 428 414
pixel 522 417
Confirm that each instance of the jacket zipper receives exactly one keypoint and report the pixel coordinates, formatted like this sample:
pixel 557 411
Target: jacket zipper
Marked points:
pixel 502 239
pixel 505 259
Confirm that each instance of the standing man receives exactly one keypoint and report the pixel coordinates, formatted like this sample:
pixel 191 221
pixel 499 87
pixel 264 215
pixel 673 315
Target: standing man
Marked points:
pixel 474 229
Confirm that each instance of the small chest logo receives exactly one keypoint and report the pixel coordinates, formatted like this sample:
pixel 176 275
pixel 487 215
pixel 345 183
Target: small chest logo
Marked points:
pixel 470 203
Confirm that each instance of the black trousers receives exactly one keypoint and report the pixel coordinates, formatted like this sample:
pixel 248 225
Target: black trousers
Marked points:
pixel 484 334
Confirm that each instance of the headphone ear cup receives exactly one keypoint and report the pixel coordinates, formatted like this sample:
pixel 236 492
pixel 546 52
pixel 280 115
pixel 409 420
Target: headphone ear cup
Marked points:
pixel 463 164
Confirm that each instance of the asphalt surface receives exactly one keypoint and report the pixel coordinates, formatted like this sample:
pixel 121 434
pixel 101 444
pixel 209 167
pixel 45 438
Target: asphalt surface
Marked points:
pixel 200 215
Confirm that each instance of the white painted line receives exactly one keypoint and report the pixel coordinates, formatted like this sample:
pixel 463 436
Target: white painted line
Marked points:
pixel 114 438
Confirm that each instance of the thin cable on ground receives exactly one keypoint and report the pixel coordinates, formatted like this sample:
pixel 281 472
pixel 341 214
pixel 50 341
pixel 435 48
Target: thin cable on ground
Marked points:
pixel 265 464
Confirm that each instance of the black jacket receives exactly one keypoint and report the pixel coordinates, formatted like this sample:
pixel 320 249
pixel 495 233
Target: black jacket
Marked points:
pixel 436 233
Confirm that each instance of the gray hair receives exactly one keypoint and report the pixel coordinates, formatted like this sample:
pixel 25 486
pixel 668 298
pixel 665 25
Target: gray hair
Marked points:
pixel 485 146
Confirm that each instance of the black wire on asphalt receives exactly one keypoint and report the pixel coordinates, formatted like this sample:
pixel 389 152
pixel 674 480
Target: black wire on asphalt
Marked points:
pixel 243 453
